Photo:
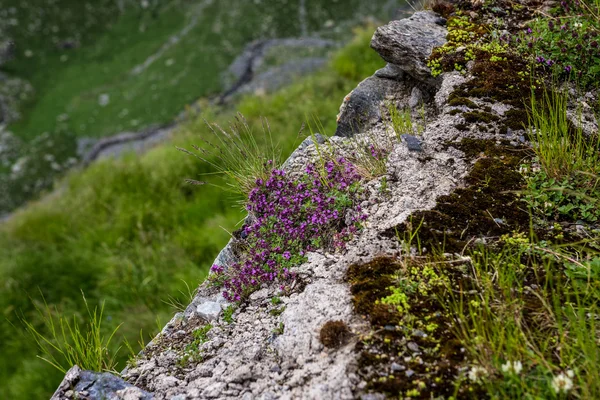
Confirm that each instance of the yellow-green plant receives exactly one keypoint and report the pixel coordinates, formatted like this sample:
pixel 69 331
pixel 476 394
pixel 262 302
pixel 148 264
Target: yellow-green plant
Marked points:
pixel 401 121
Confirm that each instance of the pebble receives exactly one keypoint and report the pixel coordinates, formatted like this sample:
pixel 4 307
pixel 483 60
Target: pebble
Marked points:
pixel 397 367
pixel 412 346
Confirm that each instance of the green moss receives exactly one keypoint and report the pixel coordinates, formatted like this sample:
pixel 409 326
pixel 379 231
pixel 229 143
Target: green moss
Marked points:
pixel 516 119
pixel 421 325
pixel 334 334
pixel 461 101
pixel 479 116
pixel 487 207
pixel 504 81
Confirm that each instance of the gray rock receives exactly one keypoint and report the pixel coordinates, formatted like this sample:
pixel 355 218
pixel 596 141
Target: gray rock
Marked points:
pixel 412 346
pixel 408 43
pixel 114 146
pixel 419 333
pixel 249 72
pixel 90 385
pixel 226 257
pixel 209 310
pixel 14 92
pixel 373 396
pixel 390 71
pixel 7 48
pixel 412 142
pixel 450 81
pixel 397 367
pixel 362 107
pixel 241 374
pixel 416 98
pixel 320 139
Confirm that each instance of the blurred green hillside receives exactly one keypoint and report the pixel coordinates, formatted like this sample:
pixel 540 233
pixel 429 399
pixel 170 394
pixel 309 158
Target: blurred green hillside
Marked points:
pixel 130 231
pixel 101 67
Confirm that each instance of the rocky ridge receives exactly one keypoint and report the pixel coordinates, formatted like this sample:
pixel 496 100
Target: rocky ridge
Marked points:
pixel 268 349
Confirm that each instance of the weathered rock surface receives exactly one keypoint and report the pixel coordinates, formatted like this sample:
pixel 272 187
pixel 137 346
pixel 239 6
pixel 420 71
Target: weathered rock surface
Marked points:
pixel 408 43
pixel 84 385
pixel 405 45
pixel 363 107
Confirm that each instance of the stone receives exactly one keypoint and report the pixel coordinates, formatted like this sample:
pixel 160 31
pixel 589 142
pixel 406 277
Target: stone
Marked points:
pixel 450 81
pixel 209 310
pixel 362 107
pixel 373 396
pixel 412 346
pixel 7 49
pixel 241 374
pixel 90 385
pixel 397 367
pixel 416 98
pixel 14 93
pixel 412 142
pixel 390 71
pixel 419 333
pixel 408 43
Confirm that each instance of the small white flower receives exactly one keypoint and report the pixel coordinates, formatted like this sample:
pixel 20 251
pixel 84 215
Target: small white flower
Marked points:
pixel 562 382
pixel 577 24
pixel 512 367
pixel 477 373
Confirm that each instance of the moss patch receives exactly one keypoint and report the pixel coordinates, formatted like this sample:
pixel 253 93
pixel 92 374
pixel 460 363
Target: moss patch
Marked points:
pixel 410 349
pixel 479 116
pixel 334 334
pixel 461 101
pixel 488 207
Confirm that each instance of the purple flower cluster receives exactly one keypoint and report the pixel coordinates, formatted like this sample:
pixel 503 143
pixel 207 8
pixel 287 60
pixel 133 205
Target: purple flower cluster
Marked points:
pixel 287 218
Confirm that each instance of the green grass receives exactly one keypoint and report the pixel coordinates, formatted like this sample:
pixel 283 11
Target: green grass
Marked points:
pixel 564 180
pixel 68 343
pixel 113 43
pixel 239 154
pixel 561 149
pixel 130 233
pixel 526 309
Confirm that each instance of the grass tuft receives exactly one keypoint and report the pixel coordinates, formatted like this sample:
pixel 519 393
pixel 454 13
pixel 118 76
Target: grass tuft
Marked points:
pixel 64 343
pixel 561 148
pixel 239 154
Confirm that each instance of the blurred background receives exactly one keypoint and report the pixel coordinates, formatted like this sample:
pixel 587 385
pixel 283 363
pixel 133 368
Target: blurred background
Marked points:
pixel 94 96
